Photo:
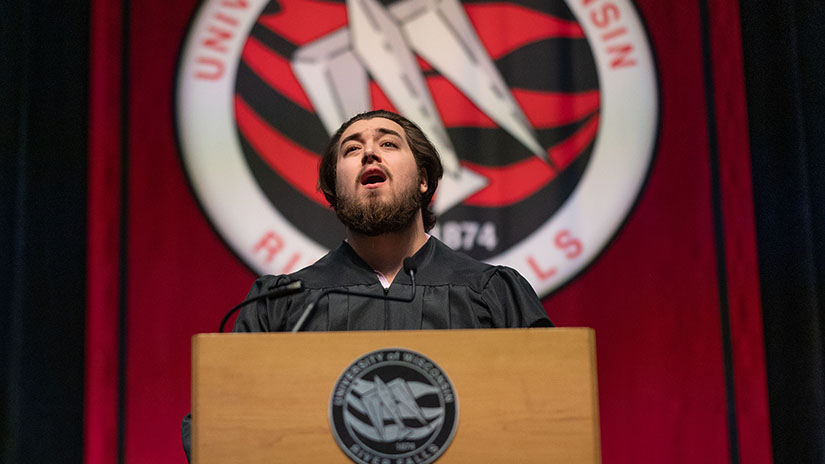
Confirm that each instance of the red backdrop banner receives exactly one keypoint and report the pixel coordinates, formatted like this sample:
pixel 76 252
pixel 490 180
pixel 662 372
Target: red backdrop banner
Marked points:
pixel 660 289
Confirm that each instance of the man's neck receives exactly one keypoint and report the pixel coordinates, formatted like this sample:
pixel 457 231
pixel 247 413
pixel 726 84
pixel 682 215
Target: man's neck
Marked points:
pixel 385 253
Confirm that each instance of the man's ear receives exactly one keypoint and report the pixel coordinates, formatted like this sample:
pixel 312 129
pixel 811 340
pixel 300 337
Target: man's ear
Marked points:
pixel 424 185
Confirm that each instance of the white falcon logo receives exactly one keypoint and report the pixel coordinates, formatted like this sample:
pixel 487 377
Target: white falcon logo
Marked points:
pixel 382 42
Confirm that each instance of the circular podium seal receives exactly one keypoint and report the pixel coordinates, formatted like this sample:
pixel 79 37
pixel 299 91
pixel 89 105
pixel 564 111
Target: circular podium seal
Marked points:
pixel 393 406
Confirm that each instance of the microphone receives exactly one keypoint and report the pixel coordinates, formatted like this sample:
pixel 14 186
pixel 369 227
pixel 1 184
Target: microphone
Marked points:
pixel 274 292
pixel 409 267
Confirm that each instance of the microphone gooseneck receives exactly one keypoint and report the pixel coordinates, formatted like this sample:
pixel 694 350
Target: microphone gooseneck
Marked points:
pixel 409 267
pixel 274 292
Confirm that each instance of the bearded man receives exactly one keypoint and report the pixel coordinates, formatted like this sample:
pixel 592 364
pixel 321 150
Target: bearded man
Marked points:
pixel 379 173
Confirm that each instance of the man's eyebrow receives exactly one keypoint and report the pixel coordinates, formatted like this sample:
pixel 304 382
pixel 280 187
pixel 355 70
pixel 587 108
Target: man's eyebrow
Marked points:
pixel 358 135
pixel 346 139
pixel 390 132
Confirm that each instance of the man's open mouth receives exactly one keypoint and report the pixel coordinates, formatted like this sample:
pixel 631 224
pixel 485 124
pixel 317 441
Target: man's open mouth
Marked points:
pixel 373 177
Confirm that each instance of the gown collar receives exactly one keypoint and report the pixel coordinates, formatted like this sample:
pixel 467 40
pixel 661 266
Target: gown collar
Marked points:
pixel 356 265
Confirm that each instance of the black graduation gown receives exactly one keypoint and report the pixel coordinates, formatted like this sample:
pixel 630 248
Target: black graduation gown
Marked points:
pixel 453 291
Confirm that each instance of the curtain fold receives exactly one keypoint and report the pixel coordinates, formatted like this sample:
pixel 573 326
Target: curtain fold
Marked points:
pixel 785 82
pixel 43 90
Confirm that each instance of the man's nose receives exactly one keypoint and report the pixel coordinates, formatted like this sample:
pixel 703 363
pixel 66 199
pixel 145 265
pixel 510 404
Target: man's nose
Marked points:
pixel 370 155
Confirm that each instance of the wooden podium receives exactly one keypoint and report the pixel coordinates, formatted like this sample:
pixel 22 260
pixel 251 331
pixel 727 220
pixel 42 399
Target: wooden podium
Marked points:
pixel 524 395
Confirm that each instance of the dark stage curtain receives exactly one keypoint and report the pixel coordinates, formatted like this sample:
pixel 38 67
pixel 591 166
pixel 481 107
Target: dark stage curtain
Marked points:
pixel 43 125
pixel 784 51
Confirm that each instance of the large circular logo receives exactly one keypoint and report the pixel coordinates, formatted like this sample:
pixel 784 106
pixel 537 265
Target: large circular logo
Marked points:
pixel 544 113
pixel 393 405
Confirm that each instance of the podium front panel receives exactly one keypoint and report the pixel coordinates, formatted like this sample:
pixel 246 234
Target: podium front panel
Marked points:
pixel 524 395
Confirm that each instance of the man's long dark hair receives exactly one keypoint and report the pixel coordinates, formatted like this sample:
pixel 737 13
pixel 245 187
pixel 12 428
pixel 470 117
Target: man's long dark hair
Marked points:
pixel 425 154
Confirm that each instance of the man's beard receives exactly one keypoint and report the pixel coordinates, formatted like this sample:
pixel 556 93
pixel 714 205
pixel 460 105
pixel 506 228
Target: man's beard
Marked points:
pixel 373 216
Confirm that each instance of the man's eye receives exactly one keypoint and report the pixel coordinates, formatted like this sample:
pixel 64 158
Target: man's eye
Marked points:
pixel 389 144
pixel 350 148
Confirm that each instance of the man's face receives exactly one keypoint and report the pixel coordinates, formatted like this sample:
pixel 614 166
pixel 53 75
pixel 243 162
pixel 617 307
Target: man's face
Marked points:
pixel 378 183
